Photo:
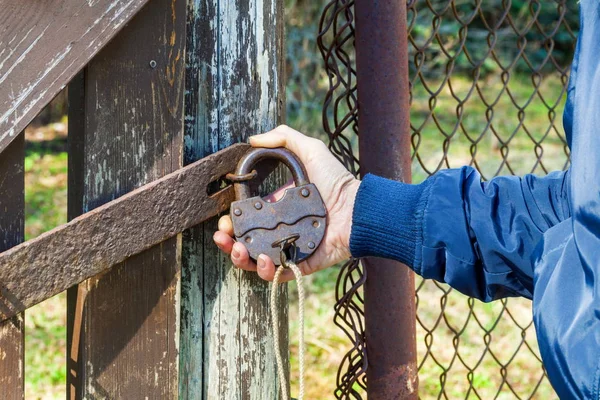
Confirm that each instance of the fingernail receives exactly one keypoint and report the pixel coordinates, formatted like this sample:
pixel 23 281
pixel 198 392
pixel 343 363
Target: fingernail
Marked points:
pixel 235 253
pixel 261 261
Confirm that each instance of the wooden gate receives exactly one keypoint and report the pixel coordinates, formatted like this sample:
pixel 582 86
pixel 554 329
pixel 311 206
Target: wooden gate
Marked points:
pixel 152 87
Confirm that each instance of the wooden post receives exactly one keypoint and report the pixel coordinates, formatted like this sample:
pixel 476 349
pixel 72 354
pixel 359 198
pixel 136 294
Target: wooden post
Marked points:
pixel 126 129
pixel 234 88
pixel 12 230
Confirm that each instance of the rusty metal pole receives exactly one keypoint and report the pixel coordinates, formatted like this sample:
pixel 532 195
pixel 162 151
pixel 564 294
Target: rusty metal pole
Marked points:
pixel 384 148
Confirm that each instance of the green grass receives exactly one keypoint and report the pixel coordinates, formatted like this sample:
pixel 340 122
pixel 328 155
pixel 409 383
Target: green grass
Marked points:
pixel 457 346
pixel 45 323
pixel 45 344
pixel 46 192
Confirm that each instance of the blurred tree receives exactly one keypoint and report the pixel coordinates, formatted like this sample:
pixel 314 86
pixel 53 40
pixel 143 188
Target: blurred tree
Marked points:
pixel 306 78
pixel 485 25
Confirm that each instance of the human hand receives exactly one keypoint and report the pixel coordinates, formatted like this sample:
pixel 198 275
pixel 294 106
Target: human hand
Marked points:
pixel 338 189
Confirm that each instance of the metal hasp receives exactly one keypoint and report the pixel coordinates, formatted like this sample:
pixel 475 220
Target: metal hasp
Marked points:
pixel 300 213
pixel 94 242
pixel 384 148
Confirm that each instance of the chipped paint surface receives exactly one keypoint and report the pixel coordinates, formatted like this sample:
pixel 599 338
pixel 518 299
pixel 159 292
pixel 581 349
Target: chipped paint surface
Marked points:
pixel 233 90
pixel 128 128
pixel 12 204
pixel 45 46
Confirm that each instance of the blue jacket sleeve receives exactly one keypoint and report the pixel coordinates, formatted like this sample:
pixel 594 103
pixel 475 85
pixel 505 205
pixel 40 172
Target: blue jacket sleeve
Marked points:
pixel 476 236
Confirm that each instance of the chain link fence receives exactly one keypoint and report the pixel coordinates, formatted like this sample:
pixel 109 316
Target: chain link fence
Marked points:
pixel 340 122
pixel 488 86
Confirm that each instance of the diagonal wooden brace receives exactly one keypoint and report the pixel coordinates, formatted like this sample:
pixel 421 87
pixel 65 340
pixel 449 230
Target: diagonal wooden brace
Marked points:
pixel 92 243
pixel 43 46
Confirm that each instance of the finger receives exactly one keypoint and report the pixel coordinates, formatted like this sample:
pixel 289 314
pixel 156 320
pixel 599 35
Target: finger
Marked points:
pixel 282 136
pixel 223 241
pixel 278 194
pixel 266 270
pixel 269 139
pixel 241 258
pixel 225 225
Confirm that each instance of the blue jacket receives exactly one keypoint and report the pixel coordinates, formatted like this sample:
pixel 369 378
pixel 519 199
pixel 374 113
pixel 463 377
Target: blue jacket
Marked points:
pixel 536 237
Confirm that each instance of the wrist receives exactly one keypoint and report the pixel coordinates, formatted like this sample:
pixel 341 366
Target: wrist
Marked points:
pixel 387 219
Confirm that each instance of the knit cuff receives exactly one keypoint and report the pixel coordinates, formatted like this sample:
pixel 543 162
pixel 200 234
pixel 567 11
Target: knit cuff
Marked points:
pixel 387 220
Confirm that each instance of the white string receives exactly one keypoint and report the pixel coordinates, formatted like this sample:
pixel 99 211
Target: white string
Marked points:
pixel 275 326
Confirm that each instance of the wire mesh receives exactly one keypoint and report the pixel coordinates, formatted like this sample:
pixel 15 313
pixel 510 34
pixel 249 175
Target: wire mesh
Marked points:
pixel 488 85
pixel 340 116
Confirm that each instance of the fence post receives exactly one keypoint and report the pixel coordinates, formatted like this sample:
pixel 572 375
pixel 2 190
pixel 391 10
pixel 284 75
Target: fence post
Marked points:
pixel 234 88
pixel 12 231
pixel 384 148
pixel 125 130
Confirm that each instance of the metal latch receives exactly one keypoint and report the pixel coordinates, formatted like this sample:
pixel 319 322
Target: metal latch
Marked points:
pixel 299 217
pixel 92 243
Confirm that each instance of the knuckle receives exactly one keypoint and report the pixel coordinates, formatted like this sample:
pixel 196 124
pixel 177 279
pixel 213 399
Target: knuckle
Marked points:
pixel 321 145
pixel 283 130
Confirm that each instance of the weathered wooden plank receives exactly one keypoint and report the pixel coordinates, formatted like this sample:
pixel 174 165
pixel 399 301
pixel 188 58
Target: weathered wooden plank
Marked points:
pixel 12 229
pixel 92 243
pixel 124 335
pixel 234 88
pixel 42 46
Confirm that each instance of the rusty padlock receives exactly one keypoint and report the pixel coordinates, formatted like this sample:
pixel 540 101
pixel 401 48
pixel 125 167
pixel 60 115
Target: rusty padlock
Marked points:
pixel 299 216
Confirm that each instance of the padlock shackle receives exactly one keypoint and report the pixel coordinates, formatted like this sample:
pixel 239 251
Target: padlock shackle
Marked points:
pixel 254 156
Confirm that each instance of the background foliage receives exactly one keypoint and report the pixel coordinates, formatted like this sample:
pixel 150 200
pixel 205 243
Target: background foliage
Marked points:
pixel 307 81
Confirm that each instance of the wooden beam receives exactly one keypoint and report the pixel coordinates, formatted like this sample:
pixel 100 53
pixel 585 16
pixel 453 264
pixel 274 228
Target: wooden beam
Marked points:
pixel 234 88
pixel 12 231
pixel 94 242
pixel 124 324
pixel 43 44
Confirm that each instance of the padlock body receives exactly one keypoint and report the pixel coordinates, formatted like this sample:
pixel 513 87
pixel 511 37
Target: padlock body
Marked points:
pixel 258 224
